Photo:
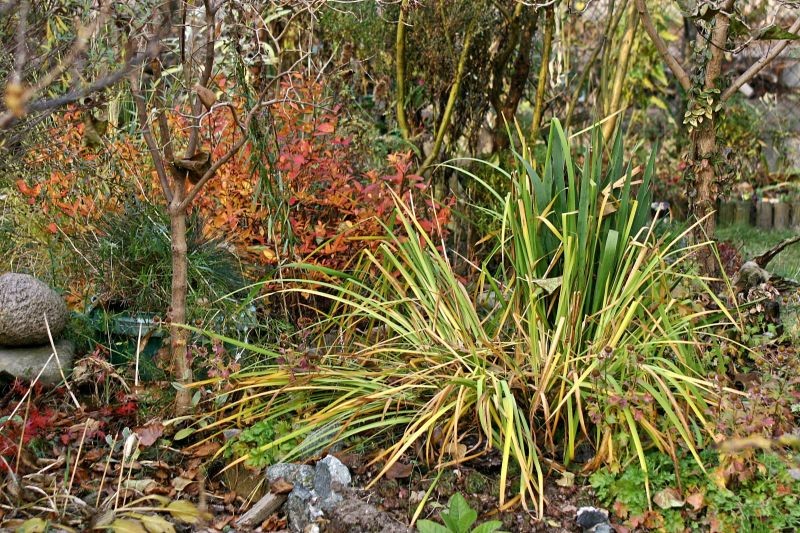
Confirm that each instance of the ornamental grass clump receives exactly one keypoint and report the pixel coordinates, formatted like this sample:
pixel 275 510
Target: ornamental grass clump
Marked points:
pixel 571 335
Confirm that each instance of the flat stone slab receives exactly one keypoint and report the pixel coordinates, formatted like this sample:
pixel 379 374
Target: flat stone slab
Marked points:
pixel 26 362
pixel 24 303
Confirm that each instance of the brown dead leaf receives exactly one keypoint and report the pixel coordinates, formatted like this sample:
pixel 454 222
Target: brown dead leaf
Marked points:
pixel 206 95
pixel 280 486
pixel 180 483
pixel 399 470
pixel 696 500
pixel 94 454
pixel 456 450
pixel 206 449
pixel 150 433
pixel 274 523
pixel 668 498
pixel 620 510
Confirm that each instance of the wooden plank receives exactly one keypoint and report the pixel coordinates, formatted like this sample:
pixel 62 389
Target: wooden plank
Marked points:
pixel 261 510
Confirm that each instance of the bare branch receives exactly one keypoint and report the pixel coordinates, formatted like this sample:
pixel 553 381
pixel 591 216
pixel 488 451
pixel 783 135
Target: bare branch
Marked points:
pixel 242 126
pixel 10 117
pixel 149 139
pixel 756 67
pixel 197 106
pixel 661 47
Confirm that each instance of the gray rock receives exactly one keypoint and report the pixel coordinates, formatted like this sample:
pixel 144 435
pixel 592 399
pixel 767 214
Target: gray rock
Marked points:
pixel 354 514
pixel 26 362
pixel 301 511
pixel 593 520
pixel 330 478
pixel 295 474
pixel 24 302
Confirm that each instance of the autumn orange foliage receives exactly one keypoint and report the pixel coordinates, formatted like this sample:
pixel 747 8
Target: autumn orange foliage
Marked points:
pixel 326 212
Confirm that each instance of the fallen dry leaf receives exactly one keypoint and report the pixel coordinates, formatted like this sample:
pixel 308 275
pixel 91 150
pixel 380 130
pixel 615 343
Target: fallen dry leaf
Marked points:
pixel 206 449
pixel 567 479
pixel 696 500
pixel 280 486
pixel 399 470
pixel 668 498
pixel 150 433
pixel 180 483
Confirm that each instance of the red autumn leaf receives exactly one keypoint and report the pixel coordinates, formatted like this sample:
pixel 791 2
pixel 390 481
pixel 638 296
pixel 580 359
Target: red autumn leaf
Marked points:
pixel 326 127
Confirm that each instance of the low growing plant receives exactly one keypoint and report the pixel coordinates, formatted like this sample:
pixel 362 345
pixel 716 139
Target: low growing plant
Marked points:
pixel 458 518
pixel 764 498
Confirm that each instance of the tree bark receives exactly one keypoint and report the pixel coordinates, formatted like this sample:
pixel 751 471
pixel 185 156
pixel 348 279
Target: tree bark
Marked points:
pixel 179 336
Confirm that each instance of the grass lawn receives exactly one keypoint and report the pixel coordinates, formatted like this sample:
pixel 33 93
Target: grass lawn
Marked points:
pixel 752 242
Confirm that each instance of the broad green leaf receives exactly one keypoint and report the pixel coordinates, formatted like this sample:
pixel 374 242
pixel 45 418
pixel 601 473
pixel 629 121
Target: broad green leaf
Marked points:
pixel 492 526
pixel 459 516
pixel 426 526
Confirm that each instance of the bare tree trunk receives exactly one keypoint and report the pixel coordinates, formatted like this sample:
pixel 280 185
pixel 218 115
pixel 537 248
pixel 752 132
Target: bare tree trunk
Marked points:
pixel 703 190
pixel 703 198
pixel 180 284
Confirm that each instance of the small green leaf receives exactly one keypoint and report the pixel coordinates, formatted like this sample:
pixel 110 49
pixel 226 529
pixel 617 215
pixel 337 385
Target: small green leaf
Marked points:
pixel 488 527
pixel 426 526
pixel 775 33
pixel 182 434
pixel 460 515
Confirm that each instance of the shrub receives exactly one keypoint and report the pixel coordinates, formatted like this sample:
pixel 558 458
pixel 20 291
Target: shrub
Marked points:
pixel 573 337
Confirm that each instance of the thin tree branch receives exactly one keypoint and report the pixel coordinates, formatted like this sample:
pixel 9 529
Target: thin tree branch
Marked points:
pixel 149 139
pixel 541 85
pixel 661 47
pixel 612 21
pixel 621 71
pixel 756 67
pixel 451 102
pixel 242 126
pixel 8 118
pixel 205 77
pixel 400 71
pixel 161 114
